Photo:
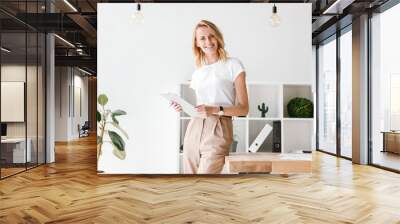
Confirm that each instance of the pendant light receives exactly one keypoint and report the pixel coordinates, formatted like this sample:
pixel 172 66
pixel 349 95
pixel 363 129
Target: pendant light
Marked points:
pixel 138 15
pixel 275 19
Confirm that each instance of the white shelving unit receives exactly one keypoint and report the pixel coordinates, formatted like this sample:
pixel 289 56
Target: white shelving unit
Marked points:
pixel 296 133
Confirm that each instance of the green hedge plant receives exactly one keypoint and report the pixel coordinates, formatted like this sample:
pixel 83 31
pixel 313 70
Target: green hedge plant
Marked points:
pixel 300 107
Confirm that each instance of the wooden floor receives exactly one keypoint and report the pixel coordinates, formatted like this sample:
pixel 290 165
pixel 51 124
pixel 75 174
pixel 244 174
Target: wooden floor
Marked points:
pixel 70 191
pixel 387 159
pixel 5 172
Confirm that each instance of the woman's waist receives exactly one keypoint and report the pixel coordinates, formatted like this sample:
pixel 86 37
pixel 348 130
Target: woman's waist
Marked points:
pixel 213 117
pixel 214 103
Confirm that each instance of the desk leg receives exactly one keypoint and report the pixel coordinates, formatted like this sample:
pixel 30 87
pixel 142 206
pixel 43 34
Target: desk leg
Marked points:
pixel 384 143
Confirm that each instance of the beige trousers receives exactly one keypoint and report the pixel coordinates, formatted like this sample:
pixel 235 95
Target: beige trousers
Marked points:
pixel 207 141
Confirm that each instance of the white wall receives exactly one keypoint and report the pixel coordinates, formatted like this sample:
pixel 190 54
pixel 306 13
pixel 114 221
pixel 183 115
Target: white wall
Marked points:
pixel 68 81
pixel 136 62
pixel 61 103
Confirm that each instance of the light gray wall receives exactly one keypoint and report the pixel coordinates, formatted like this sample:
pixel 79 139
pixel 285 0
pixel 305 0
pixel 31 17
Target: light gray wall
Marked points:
pixel 68 82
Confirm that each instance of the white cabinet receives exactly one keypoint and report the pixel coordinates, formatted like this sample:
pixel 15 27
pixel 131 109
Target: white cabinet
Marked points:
pixel 292 134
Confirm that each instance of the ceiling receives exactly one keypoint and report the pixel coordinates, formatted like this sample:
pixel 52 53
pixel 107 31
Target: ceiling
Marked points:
pixel 77 22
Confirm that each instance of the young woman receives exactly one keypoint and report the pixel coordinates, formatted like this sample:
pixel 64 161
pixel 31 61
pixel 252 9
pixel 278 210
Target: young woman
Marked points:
pixel 220 86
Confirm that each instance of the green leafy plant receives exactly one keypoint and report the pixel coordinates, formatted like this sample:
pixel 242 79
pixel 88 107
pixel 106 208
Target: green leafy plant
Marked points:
pixel 107 118
pixel 300 107
pixel 263 109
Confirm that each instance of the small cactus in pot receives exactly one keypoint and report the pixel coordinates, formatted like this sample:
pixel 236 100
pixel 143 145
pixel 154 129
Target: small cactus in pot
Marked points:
pixel 263 109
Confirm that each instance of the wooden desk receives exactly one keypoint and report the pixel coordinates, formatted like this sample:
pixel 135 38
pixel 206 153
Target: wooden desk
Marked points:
pixel 269 163
pixel 391 141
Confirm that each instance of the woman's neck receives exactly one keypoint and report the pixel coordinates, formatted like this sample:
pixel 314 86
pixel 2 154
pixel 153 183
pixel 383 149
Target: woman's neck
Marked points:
pixel 211 59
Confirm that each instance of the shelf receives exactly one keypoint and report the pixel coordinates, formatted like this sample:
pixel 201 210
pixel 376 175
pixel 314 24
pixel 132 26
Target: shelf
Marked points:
pixel 255 127
pixel 264 118
pixel 291 91
pixel 298 135
pixel 268 94
pixel 297 119
pixel 239 118
pixel 289 134
pixel 189 95
pixel 239 136
pixel 183 126
pixel 260 119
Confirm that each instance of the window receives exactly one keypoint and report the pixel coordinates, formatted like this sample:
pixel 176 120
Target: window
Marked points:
pixel 395 102
pixel 327 97
pixel 22 73
pixel 346 94
pixel 385 89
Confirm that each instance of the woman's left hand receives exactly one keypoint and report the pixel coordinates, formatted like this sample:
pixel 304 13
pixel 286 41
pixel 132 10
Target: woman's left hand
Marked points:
pixel 205 111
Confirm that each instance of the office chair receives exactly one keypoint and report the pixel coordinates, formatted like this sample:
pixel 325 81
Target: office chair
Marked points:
pixel 84 130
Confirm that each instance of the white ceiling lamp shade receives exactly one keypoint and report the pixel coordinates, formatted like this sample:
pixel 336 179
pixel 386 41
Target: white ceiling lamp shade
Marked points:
pixel 275 19
pixel 138 15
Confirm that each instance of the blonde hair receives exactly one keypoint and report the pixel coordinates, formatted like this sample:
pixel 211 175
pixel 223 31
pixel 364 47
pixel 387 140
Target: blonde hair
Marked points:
pixel 198 53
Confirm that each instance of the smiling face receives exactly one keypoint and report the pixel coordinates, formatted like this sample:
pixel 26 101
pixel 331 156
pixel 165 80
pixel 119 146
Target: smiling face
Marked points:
pixel 206 40
pixel 208 43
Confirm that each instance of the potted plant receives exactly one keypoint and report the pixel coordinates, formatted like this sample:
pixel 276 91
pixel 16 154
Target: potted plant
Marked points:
pixel 300 107
pixel 109 130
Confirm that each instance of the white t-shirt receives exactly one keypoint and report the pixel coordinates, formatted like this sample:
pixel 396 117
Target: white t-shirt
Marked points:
pixel 214 83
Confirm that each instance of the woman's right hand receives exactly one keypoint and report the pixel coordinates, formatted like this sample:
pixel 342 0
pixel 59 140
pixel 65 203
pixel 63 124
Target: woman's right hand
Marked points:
pixel 177 107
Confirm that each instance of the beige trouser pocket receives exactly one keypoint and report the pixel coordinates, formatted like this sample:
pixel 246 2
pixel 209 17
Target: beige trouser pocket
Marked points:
pixel 207 142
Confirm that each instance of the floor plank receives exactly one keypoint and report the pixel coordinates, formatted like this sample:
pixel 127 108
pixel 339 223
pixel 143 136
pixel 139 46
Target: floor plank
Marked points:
pixel 70 191
pixel 387 159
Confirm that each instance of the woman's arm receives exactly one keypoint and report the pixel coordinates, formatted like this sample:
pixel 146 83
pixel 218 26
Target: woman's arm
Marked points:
pixel 242 107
